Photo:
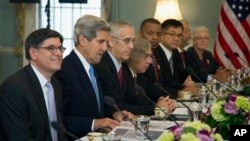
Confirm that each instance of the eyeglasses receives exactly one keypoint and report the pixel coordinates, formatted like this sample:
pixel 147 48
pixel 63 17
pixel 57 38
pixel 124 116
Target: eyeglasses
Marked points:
pixel 53 49
pixel 174 35
pixel 147 55
pixel 201 38
pixel 125 40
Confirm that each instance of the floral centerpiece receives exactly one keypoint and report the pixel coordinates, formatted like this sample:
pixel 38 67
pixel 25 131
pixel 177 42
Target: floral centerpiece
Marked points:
pixel 191 131
pixel 233 110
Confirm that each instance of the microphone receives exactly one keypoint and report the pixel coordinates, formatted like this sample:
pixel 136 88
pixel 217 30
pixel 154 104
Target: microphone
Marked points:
pixel 245 86
pixel 58 127
pixel 141 91
pixel 192 72
pixel 158 86
pixel 226 55
pixel 238 56
pixel 111 103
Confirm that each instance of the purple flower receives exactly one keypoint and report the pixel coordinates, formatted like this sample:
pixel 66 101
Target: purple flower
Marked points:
pixel 230 108
pixel 232 98
pixel 177 132
pixel 205 132
pixel 204 137
pixel 173 128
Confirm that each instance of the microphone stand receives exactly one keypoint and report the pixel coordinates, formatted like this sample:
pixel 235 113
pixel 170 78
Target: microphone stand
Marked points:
pixel 157 85
pixel 149 99
pixel 191 71
pixel 58 127
pixel 111 103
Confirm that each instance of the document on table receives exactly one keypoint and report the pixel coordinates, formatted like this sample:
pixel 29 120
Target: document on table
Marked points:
pixel 127 132
pixel 180 111
pixel 156 128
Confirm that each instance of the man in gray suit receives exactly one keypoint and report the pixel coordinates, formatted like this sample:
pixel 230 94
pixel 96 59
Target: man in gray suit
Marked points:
pixel 30 99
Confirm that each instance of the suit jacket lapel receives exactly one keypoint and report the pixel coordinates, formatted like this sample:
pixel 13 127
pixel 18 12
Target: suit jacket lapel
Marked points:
pixel 57 93
pixel 84 79
pixel 100 94
pixel 196 57
pixel 113 70
pixel 38 94
pixel 163 60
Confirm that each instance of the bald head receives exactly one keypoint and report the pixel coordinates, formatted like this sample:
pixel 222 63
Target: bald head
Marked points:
pixel 186 34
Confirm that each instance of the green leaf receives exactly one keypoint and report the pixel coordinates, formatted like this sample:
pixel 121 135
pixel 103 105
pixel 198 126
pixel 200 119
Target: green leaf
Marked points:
pixel 211 122
pixel 189 130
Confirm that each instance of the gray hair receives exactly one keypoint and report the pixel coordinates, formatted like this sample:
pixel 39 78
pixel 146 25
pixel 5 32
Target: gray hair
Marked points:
pixel 87 26
pixel 199 29
pixel 116 25
pixel 141 46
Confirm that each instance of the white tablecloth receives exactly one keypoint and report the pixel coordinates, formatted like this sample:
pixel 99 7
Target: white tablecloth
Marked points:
pixel 127 129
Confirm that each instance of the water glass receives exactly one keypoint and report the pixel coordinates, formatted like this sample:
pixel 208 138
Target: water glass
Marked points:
pixel 196 111
pixel 141 125
pixel 111 137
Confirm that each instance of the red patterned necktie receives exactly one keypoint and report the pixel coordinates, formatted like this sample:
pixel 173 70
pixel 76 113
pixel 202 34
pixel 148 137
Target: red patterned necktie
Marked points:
pixel 183 59
pixel 120 76
pixel 155 66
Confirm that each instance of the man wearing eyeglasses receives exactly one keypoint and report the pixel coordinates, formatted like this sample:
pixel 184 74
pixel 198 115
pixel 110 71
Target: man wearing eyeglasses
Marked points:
pixel 151 30
pixel 167 57
pixel 30 99
pixel 113 75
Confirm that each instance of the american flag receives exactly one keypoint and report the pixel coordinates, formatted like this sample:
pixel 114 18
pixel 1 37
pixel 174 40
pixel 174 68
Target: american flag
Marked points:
pixel 232 46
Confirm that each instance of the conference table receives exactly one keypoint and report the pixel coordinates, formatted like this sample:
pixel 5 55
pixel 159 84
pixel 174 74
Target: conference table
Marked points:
pixel 156 126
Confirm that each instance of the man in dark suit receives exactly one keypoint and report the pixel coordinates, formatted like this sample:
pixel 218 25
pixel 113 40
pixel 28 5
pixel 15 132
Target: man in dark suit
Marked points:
pixel 151 30
pixel 28 102
pixel 186 38
pixel 185 42
pixel 167 57
pixel 115 82
pixel 82 93
pixel 201 60
pixel 138 62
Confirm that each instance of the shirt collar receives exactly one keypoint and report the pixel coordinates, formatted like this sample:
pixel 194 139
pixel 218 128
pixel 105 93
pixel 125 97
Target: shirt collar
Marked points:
pixel 42 79
pixel 84 62
pixel 166 51
pixel 117 64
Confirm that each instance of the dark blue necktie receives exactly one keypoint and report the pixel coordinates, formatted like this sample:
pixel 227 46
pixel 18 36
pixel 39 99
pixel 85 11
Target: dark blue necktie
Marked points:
pixel 171 64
